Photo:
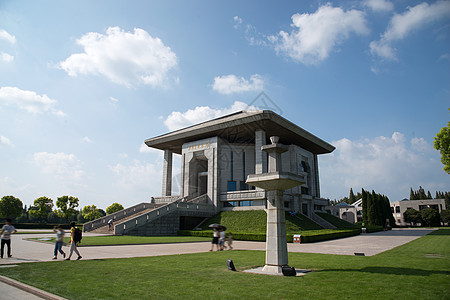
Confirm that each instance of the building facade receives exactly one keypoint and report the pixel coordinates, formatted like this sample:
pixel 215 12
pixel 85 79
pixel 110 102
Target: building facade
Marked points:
pixel 218 155
pixel 398 208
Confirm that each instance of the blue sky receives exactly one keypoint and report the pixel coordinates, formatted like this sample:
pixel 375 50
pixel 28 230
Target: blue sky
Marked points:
pixel 84 83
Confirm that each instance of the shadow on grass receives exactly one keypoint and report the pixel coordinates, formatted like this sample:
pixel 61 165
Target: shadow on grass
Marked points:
pixel 442 231
pixel 391 271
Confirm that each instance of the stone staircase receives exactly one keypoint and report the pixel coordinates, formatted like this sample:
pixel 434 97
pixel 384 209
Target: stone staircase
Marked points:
pixel 105 229
pixel 325 224
pixel 100 225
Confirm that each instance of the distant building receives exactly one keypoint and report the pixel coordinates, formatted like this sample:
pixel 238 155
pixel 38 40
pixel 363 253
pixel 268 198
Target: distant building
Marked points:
pixel 398 208
pixel 351 213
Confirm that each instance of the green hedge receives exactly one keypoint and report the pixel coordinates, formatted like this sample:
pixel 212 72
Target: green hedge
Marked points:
pixel 309 236
pixel 40 226
pixel 374 228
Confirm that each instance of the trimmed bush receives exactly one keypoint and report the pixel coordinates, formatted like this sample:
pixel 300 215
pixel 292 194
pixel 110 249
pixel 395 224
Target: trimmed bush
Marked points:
pixel 308 236
pixel 40 226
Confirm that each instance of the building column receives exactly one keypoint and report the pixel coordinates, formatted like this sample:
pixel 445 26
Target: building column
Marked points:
pixel 167 173
pixel 260 156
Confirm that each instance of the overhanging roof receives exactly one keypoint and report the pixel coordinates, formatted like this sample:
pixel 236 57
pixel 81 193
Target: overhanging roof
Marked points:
pixel 240 127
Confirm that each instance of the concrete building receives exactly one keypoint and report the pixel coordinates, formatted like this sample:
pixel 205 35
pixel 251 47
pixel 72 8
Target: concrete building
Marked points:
pixel 398 208
pixel 217 156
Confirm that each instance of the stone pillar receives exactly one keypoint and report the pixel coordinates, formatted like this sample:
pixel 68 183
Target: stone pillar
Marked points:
pixel 167 173
pixel 260 156
pixel 276 245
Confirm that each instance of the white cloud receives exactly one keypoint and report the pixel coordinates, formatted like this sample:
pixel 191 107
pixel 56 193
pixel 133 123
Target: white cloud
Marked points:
pixel 390 165
pixel 5 57
pixel 5 141
pixel 379 5
pixel 60 165
pixel 4 35
pixel 28 100
pixel 137 174
pixel 86 140
pixel 237 22
pixel 177 120
pixel 315 35
pixel 229 84
pixel 126 58
pixel 401 25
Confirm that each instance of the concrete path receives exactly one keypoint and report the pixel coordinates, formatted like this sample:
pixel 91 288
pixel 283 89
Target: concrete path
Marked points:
pixel 370 244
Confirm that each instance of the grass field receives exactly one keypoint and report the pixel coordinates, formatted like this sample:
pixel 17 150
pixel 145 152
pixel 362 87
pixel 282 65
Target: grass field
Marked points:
pixel 132 240
pixel 417 270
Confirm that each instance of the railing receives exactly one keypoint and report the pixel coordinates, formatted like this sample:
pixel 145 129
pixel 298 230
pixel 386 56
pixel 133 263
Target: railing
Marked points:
pixel 243 195
pixel 97 223
pixel 160 212
pixel 200 199
pixel 165 199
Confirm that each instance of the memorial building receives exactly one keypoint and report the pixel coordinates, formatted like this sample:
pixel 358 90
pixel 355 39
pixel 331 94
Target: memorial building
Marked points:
pixel 218 155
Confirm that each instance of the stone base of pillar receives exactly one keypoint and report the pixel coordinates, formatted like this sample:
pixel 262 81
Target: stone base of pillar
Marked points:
pixel 272 269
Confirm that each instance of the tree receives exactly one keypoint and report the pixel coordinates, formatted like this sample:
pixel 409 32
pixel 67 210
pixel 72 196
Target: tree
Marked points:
pixel 10 207
pixel 351 197
pixel 445 216
pixel 67 206
pixel 90 213
pixel 364 206
pixel 430 217
pixel 42 206
pixel 115 207
pixel 412 216
pixel 442 144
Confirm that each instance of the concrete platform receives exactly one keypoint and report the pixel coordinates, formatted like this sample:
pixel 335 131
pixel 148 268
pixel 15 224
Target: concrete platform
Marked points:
pixel 259 270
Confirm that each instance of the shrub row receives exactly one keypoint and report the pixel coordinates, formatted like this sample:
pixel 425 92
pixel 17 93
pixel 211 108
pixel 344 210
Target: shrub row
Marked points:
pixel 40 226
pixel 309 236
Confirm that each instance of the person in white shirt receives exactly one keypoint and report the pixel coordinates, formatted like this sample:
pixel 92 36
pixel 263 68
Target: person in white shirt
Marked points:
pixel 7 230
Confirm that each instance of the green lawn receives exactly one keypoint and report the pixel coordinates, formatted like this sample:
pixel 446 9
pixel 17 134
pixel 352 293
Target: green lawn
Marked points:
pixel 132 240
pixel 417 270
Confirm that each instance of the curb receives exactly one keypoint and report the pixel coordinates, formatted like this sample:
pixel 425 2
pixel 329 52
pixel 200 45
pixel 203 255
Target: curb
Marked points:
pixel 30 289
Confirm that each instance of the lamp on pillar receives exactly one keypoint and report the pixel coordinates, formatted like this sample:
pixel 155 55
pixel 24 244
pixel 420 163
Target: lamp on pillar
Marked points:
pixel 275 181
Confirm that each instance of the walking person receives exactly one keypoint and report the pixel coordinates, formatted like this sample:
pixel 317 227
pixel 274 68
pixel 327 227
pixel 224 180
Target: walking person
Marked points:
pixel 222 239
pixel 7 230
pixel 110 225
pixel 215 240
pixel 230 241
pixel 59 241
pixel 73 242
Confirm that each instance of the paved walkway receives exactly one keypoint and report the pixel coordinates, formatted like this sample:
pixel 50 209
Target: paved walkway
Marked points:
pixel 370 244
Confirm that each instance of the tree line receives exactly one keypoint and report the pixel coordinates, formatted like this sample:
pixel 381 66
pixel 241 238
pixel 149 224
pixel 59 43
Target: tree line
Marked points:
pixel 43 211
pixel 376 209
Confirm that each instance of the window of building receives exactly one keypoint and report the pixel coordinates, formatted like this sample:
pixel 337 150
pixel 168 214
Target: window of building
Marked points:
pixel 397 209
pixel 392 209
pixel 304 190
pixel 243 186
pixel 303 166
pixel 246 203
pixel 231 186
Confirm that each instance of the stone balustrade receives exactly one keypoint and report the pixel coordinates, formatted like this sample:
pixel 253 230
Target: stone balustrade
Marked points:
pixel 243 195
pixel 97 223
